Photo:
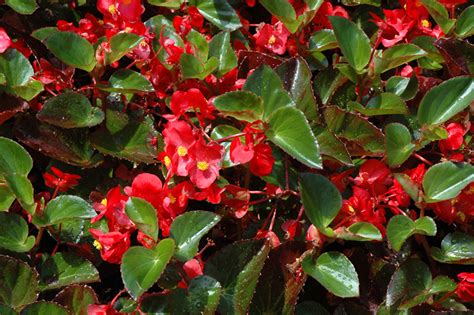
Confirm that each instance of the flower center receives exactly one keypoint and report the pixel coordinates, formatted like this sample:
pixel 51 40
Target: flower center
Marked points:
pixel 425 23
pixel 202 165
pixel 104 202
pixel 112 9
pixel 167 161
pixel 172 198
pixel 182 151
pixel 272 40
pixel 97 245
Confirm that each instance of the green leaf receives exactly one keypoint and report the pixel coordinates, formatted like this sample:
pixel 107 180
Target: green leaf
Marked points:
pixel 142 267
pixel 76 299
pixel 73 50
pixel 360 231
pixel 18 283
pixel 321 200
pixel 237 268
pixel 406 88
pixel 335 272
pixel 354 128
pixel 143 215
pixel 221 49
pixel 70 110
pixel 456 248
pixel 14 233
pixel 283 10
pixel 445 180
pixel 44 308
pixel 296 77
pixel 289 129
pixel 223 131
pixel 16 68
pixel 127 81
pixel 265 83
pixel 199 44
pixel 331 146
pixel 354 43
pixel 63 269
pixel 219 13
pixel 133 142
pixel 323 40
pixel 202 297
pixel 327 82
pixel 188 229
pixel 7 197
pixel 382 104
pixel 446 100
pixel 172 4
pixel 241 105
pixel 192 67
pixel 6 310
pixel 465 23
pixel 64 208
pixel 398 144
pixel 410 281
pixel 120 45
pixel 401 227
pixel 434 60
pixel 398 55
pixel 375 3
pixel 439 13
pixel 43 33
pixel 408 185
pixel 22 6
pixel 28 91
pixel 442 284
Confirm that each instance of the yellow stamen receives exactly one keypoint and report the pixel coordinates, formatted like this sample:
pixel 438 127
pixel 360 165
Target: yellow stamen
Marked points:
pixel 128 29
pixel 202 165
pixel 172 198
pixel 167 161
pixel 112 9
pixel 104 202
pixel 272 40
pixel 97 245
pixel 425 23
pixel 351 209
pixel 182 151
pixel 143 43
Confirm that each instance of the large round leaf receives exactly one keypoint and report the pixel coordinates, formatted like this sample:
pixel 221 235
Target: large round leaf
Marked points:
pixel 72 49
pixel 76 298
pixel 335 272
pixel 142 267
pixel 187 230
pixel 241 105
pixel 14 233
pixel 18 282
pixel 64 208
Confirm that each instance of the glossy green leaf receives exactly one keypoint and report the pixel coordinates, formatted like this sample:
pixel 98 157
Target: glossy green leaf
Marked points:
pixel 72 49
pixel 446 100
pixel 354 43
pixel 18 283
pixel 241 105
pixel 289 129
pixel 120 45
pixel 127 81
pixel 445 180
pixel 172 4
pixel 237 268
pixel 323 40
pixel 43 33
pixel 434 60
pixel 133 142
pixel 192 67
pixel 14 233
pixel 64 208
pixel 202 297
pixel 408 185
pixel 439 13
pixel 398 55
pixel 142 267
pixel 398 144
pixel 28 91
pixel 22 6
pixel 63 269
pixel 6 310
pixel 76 299
pixel 221 48
pixel 7 197
pixel 375 3
pixel 382 104
pixel 411 280
pixel 284 11
pixel 143 215
pixel 321 200
pixel 442 284
pixel 15 67
pixel 335 272
pixel 296 77
pixel 70 110
pixel 327 82
pixel 188 229
pixel 331 146
pixel 359 231
pixel 456 248
pixel 218 12
pixel 401 227
pixel 199 44
pixel 465 23
pixel 265 83
pixel 406 88
pixel 44 308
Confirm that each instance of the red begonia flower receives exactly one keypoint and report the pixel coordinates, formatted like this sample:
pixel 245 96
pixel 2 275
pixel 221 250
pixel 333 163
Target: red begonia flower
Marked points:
pixel 146 186
pixel 240 153
pixel 112 245
pixel 414 9
pixel 205 165
pixel 96 309
pixel 465 288
pixel 269 235
pixel 237 198
pixel 373 175
pixel 272 37
pixel 178 138
pixel 452 3
pixel 262 161
pixel 5 40
pixel 292 229
pixel 113 208
pixel 395 27
pixel 455 138
pixel 321 20
pixel 61 180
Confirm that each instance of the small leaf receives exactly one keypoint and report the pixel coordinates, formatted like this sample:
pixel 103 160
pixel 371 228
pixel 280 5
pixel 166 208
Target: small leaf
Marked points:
pixel 72 49
pixel 63 269
pixel 142 267
pixel 327 82
pixel 15 67
pixel 290 130
pixel 359 231
pixel 321 200
pixel 382 104
pixel 18 283
pixel 192 67
pixel 120 45
pixel 237 268
pixel 188 229
pixel 76 299
pixel 221 49
pixel 14 233
pixel 465 23
pixel 398 144
pixel 70 110
pixel 284 11
pixel 335 272
pixel 199 44
pixel 398 55
pixel 223 131
pixel 354 43
pixel 202 297
pixel 127 81
pixel 446 100
pixel 43 33
pixel 218 12
pixel 323 40
pixel 44 308
pixel 25 7
pixel 408 185
pixel 331 146
pixel 442 284
pixel 144 215
pixel 456 248
pixel 64 208
pixel 401 227
pixel 406 88
pixel 445 180
pixel 241 105
pixel 172 4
